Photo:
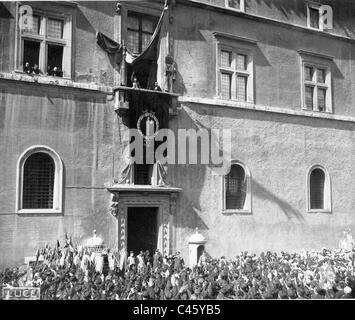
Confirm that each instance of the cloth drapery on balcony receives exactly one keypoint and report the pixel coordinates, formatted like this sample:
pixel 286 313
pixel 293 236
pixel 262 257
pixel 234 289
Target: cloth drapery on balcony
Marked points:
pixel 115 49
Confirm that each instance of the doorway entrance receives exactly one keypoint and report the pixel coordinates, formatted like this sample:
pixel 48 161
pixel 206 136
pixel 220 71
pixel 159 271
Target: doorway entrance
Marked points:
pixel 142 229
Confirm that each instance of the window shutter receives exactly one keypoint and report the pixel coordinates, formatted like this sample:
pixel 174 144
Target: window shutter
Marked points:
pixel 235 188
pixel 38 182
pixel 317 181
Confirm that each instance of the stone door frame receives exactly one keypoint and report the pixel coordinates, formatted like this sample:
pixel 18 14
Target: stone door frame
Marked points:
pixel 166 207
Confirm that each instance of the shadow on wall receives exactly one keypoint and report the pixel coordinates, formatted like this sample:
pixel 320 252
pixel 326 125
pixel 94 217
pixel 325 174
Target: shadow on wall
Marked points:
pixel 191 177
pixel 4 12
pixel 261 192
pixel 83 23
pixel 179 85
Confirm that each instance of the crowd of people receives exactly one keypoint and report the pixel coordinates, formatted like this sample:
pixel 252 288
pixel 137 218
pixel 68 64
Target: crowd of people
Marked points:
pixel 79 273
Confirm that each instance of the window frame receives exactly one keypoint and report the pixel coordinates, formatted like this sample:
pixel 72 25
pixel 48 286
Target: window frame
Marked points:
pixel 242 6
pixel 316 6
pixel 66 41
pixel 316 65
pixel 247 209
pixel 327 197
pixel 58 181
pixel 140 31
pixel 249 72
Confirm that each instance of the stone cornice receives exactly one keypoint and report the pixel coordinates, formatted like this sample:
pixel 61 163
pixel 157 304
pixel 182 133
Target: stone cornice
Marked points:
pixel 245 15
pixel 234 37
pixel 251 106
pixel 315 54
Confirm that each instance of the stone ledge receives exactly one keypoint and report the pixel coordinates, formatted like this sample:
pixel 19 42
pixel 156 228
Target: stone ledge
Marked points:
pixel 142 188
pixel 251 106
pixel 54 81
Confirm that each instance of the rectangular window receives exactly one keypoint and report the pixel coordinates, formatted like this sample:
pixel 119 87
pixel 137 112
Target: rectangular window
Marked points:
pixel 241 88
pixel 317 83
pixel 55 58
pixel 140 29
pixel 36 25
pixel 308 73
pixel 45 47
pixel 235 75
pixel 235 4
pixel 309 98
pixel 241 62
pixel 321 99
pixel 321 75
pixel 313 18
pixel 55 28
pixel 226 82
pixel 226 58
pixel 31 51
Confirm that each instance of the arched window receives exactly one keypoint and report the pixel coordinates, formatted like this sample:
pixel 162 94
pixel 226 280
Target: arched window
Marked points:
pixel 319 195
pixel 236 187
pixel 40 176
pixel 38 182
pixel 316 184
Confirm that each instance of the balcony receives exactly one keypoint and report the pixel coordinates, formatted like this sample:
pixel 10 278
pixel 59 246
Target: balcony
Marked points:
pixel 125 95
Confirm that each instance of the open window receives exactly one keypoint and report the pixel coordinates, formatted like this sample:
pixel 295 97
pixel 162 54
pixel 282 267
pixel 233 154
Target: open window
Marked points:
pixel 44 45
pixel 237 5
pixel 140 31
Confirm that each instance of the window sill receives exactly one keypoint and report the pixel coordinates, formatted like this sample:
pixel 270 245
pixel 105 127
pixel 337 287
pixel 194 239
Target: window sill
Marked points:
pixel 315 211
pixel 236 211
pixel 56 81
pixel 234 9
pixel 316 111
pixel 316 29
pixel 43 76
pixel 249 102
pixel 34 212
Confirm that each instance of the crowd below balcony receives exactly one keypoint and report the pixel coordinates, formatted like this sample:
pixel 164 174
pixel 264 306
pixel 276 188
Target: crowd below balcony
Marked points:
pixel 80 273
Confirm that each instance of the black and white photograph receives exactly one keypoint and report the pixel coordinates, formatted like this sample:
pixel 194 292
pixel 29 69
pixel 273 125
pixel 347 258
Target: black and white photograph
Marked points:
pixel 164 150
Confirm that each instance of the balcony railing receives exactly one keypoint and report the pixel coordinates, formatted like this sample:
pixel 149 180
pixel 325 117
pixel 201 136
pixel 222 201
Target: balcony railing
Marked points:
pixel 122 104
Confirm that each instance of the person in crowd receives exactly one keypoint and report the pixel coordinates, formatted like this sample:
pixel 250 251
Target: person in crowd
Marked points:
pixel 36 69
pixel 74 273
pixel 131 261
pixel 203 259
pixel 156 87
pixel 27 68
pixel 135 82
pixel 141 262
